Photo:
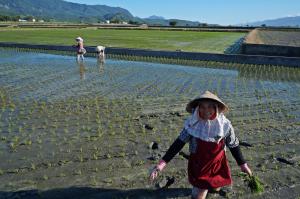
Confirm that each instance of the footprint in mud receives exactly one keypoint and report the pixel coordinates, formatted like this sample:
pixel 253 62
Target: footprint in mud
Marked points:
pixel 155 153
pixel 283 160
pixel 147 126
pixel 153 145
pixel 178 114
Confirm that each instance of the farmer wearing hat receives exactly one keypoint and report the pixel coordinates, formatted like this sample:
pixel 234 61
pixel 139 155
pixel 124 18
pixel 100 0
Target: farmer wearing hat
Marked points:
pixel 208 132
pixel 100 54
pixel 80 49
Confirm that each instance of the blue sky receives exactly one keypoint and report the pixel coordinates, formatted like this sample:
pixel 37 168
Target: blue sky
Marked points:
pixel 223 12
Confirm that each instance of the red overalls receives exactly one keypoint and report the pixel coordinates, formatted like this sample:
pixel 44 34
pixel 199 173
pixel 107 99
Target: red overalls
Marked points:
pixel 208 167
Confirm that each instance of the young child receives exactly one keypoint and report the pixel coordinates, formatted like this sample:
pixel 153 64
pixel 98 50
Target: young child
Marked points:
pixel 80 49
pixel 208 132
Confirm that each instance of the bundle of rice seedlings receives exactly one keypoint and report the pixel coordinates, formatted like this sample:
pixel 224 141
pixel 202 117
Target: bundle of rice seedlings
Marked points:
pixel 255 184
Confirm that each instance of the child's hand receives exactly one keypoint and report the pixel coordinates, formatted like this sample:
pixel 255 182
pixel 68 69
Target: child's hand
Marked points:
pixel 153 173
pixel 159 167
pixel 246 169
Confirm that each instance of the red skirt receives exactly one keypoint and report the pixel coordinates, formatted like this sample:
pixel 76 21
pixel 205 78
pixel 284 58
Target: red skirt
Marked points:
pixel 208 167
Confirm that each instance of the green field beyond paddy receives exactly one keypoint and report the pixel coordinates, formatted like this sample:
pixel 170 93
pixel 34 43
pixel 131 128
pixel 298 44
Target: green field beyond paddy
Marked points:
pixel 214 42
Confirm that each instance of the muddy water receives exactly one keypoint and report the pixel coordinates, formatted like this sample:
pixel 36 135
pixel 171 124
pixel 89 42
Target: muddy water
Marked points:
pixel 76 130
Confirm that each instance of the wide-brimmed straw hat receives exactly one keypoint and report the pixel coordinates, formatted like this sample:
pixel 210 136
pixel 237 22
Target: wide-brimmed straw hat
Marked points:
pixel 206 96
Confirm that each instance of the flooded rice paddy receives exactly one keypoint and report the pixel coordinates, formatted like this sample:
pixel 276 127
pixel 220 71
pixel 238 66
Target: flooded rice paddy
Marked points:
pixel 84 130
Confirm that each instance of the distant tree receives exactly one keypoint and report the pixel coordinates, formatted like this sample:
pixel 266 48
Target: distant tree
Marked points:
pixel 29 18
pixel 17 18
pixel 2 18
pixel 133 22
pixel 116 21
pixel 173 23
pixel 9 18
pixel 263 25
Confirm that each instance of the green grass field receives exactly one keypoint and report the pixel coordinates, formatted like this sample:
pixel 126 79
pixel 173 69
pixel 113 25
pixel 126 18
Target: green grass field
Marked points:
pixel 215 42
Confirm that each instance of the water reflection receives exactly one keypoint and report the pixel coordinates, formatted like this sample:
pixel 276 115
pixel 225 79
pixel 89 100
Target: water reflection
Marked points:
pixel 100 64
pixel 82 69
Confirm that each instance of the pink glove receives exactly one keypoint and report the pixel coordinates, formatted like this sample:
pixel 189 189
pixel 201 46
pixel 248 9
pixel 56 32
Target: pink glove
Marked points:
pixel 159 167
pixel 246 169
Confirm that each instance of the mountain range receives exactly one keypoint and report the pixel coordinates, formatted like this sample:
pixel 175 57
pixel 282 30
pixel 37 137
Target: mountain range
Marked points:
pixel 59 10
pixel 285 21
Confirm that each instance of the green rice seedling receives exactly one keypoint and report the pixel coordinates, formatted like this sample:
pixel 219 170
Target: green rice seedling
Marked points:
pixel 95 169
pixel 108 181
pixel 80 159
pixel 78 172
pixel 66 130
pixel 255 184
pixel 94 181
pixel 62 175
pixel 122 154
pixel 32 166
pixel 108 156
pixel 45 177
pixel 95 157
pixel 39 141
pixel 263 168
pixel 14 171
pixel 13 146
pixel 28 142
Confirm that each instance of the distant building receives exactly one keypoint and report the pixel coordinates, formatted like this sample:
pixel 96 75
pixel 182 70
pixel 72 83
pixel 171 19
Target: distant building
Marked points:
pixel 27 20
pixel 124 22
pixel 41 20
pixel 107 21
pixel 144 26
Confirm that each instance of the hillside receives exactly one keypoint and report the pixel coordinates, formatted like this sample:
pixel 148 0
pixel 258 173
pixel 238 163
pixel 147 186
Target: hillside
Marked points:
pixel 62 11
pixel 59 10
pixel 286 21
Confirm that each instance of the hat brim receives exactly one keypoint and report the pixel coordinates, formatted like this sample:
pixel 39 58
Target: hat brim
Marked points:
pixel 194 103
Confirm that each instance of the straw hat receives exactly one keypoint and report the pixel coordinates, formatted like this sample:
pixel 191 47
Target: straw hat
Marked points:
pixel 79 39
pixel 99 48
pixel 206 95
